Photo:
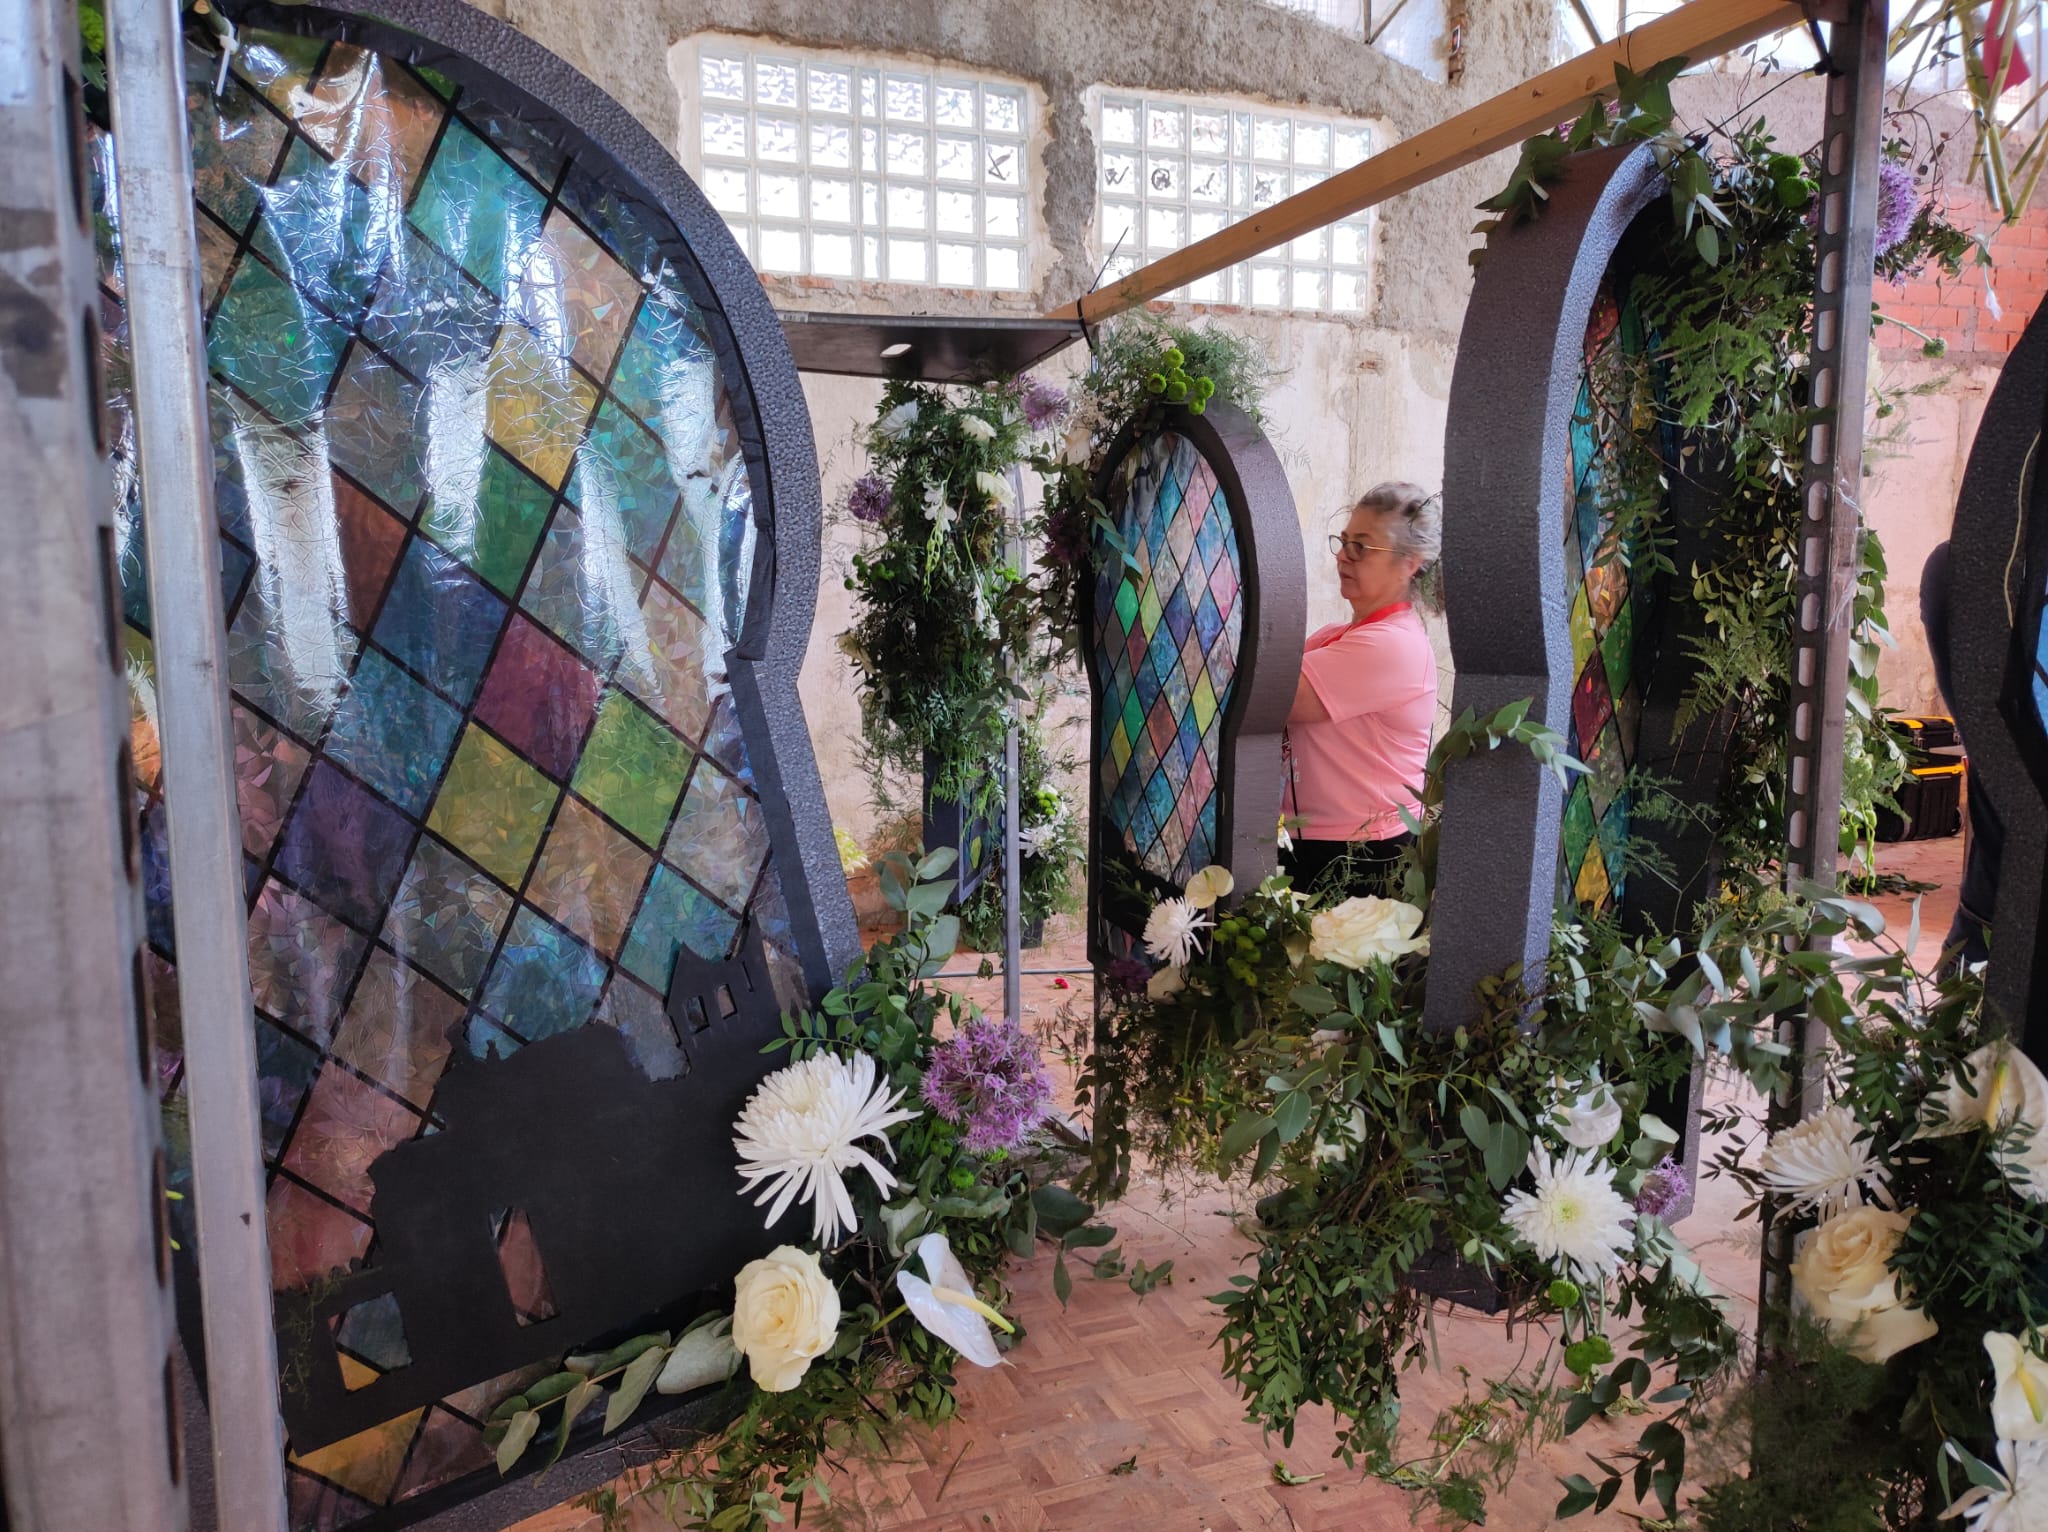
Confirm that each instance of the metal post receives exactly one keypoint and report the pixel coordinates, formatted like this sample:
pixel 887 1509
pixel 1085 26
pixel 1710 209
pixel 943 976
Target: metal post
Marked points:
pixel 88 1422
pixel 1830 522
pixel 146 73
pixel 1013 829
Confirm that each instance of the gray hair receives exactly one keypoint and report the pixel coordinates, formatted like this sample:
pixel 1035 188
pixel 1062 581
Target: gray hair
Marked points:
pixel 1415 523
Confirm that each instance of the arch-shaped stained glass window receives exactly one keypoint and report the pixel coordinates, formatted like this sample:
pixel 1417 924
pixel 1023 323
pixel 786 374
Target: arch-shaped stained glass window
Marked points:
pixel 487 534
pixel 1164 646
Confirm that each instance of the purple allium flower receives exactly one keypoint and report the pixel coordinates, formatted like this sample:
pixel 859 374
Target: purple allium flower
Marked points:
pixel 1898 200
pixel 1663 1188
pixel 869 501
pixel 1128 976
pixel 988 1078
pixel 1042 404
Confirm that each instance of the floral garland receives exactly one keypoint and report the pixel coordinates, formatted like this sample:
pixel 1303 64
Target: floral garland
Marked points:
pixel 945 616
pixel 942 605
pixel 902 1160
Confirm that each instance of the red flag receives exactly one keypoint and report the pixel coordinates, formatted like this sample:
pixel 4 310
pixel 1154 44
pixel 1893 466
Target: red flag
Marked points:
pixel 2017 72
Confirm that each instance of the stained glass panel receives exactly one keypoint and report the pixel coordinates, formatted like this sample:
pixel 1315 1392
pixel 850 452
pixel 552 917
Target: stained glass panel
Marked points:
pixel 1613 411
pixel 486 534
pixel 1165 642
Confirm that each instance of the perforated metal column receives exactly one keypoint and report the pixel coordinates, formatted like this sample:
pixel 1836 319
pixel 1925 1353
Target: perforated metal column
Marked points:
pixel 1831 518
pixel 88 1434
pixel 1830 524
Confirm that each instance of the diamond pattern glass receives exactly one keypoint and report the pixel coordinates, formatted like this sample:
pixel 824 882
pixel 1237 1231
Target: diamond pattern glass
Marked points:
pixel 1604 614
pixel 486 531
pixel 1165 641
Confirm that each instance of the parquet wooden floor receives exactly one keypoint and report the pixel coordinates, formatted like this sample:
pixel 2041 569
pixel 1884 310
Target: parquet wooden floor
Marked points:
pixel 1112 1413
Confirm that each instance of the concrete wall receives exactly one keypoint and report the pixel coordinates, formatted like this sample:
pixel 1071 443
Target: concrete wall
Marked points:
pixel 1363 398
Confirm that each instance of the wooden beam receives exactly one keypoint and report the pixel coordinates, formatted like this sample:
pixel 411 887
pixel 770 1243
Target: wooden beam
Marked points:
pixel 1703 29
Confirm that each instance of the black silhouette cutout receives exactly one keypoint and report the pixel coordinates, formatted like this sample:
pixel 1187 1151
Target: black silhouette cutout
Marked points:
pixel 624 1191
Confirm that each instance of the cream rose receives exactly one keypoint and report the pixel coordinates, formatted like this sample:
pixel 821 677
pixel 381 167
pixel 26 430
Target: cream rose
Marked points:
pixel 1842 1276
pixel 784 1316
pixel 1361 932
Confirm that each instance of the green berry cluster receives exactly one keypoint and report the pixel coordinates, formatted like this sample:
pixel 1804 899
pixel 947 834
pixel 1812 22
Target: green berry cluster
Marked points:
pixel 1240 943
pixel 1173 383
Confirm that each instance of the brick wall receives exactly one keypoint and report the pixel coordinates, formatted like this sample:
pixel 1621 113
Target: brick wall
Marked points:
pixel 1957 310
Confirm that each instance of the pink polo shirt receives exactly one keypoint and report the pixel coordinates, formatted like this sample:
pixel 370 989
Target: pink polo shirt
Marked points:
pixel 1354 773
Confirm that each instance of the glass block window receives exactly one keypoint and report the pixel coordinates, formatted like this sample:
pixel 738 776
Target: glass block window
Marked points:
pixel 1585 24
pixel 1172 171
pixel 831 166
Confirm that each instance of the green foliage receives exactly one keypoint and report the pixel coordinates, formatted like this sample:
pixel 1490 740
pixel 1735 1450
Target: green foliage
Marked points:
pixel 1727 297
pixel 1052 848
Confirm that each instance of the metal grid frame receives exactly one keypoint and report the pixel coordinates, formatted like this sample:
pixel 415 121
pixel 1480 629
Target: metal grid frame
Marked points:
pixel 1174 169
pixel 861 167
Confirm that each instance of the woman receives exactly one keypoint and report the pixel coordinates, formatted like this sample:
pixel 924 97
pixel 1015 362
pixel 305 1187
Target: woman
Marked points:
pixel 1358 733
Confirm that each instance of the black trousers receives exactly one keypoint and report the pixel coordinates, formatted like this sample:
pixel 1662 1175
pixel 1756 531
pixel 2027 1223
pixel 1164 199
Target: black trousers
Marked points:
pixel 1352 868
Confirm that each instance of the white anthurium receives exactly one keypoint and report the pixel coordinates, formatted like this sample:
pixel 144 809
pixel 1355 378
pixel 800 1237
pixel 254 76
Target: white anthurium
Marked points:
pixel 2019 1394
pixel 1209 885
pixel 704 1356
pixel 1166 983
pixel 2007 1094
pixel 1589 1119
pixel 898 422
pixel 978 429
pixel 946 1306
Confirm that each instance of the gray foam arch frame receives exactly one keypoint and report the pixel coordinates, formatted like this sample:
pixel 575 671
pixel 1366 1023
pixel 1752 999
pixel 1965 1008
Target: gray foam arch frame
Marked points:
pixel 772 419
pixel 774 425
pixel 1506 446
pixel 1997 569
pixel 1273 585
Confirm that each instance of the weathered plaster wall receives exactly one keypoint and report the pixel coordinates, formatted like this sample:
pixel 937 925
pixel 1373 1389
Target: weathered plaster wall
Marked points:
pixel 1363 398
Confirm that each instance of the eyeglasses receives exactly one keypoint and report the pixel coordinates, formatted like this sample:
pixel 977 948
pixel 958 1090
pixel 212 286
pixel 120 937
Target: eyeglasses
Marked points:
pixel 1354 548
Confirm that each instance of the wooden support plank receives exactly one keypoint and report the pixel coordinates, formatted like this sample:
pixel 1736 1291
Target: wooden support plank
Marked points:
pixel 1703 29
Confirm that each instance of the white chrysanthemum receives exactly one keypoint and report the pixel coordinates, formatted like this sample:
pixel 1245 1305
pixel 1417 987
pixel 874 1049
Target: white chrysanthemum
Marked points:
pixel 803 1127
pixel 1574 1216
pixel 2021 1505
pixel 1171 930
pixel 1824 1163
